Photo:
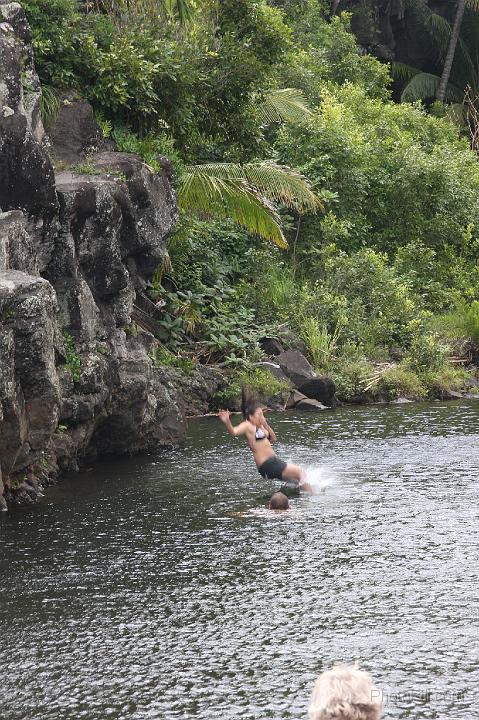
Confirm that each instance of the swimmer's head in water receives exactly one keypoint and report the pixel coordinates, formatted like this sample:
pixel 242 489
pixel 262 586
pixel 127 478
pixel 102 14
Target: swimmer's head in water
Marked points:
pixel 279 501
pixel 250 407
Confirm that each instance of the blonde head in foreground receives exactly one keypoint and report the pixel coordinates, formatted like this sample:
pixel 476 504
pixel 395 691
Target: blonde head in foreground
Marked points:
pixel 345 693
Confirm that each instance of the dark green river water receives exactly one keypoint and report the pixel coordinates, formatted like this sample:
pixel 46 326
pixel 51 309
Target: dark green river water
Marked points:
pixel 132 592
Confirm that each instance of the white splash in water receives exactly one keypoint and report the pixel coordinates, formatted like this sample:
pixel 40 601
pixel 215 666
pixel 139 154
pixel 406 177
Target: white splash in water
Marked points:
pixel 320 478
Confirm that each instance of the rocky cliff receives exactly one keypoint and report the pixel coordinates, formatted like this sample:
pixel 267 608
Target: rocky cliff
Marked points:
pixel 77 251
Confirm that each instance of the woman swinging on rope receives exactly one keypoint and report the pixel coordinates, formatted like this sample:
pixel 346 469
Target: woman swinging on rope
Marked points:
pixel 259 436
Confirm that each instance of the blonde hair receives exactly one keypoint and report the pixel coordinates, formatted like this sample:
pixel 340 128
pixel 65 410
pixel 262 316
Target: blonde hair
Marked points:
pixel 345 693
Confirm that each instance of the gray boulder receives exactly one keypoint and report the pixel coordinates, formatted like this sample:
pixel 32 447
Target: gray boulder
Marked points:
pixel 271 346
pixel 295 366
pixel 74 132
pixel 294 399
pixel 290 340
pixel 17 248
pixel 26 173
pixel 321 388
pixel 28 380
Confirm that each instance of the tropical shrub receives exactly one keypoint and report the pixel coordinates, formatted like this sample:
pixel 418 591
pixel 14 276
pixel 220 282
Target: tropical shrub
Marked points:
pixel 447 379
pixel 390 174
pixel 328 53
pixel 261 382
pixel 399 381
pixel 459 323
pixel 426 354
pixel 351 376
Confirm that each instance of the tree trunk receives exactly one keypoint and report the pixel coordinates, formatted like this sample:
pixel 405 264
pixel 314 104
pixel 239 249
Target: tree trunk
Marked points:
pixel 451 51
pixel 334 7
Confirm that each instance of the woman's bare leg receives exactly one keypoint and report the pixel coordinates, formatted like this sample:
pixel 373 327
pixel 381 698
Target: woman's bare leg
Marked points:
pixel 296 474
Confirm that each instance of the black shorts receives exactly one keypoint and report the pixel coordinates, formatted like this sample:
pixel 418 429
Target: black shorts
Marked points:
pixel 272 468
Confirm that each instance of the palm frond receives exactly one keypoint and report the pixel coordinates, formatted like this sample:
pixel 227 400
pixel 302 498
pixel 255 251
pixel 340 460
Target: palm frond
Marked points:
pixel 463 71
pixel 230 198
pixel 277 183
pixel 284 105
pixel 401 71
pixel 473 4
pixel 440 31
pixel 181 9
pixel 424 85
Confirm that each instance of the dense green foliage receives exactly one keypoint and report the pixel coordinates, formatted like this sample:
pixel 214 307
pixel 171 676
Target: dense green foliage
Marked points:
pixel 383 284
pixel 195 81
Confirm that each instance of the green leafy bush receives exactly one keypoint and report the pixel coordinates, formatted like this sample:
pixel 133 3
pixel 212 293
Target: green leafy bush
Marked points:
pixel 327 52
pixel 320 342
pixel 150 147
pixel 444 380
pixel 427 354
pixel 258 380
pixel 351 376
pixel 462 322
pixel 399 381
pixel 398 176
pixel 471 321
pixel 163 358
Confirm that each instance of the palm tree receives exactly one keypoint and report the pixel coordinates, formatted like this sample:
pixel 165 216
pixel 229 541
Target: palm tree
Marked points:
pixel 455 52
pixel 283 105
pixel 247 195
pixel 451 51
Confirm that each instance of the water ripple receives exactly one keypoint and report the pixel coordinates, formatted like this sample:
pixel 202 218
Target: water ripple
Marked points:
pixel 134 591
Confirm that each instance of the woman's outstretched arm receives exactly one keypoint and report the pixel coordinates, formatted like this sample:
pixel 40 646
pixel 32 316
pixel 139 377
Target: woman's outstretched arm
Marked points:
pixel 224 416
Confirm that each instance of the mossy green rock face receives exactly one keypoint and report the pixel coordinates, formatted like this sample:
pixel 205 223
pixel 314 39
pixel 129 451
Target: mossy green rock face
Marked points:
pixel 26 172
pixel 31 393
pixel 76 250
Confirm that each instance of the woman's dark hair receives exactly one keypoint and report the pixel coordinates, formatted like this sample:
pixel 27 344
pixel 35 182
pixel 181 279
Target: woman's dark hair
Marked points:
pixel 249 402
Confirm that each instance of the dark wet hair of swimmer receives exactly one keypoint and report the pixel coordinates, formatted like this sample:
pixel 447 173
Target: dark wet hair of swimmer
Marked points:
pixel 279 501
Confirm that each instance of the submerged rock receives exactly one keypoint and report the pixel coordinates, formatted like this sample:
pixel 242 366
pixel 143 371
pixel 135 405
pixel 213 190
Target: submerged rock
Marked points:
pixel 309 404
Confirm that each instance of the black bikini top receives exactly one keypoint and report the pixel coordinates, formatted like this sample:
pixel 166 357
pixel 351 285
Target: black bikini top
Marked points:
pixel 260 434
